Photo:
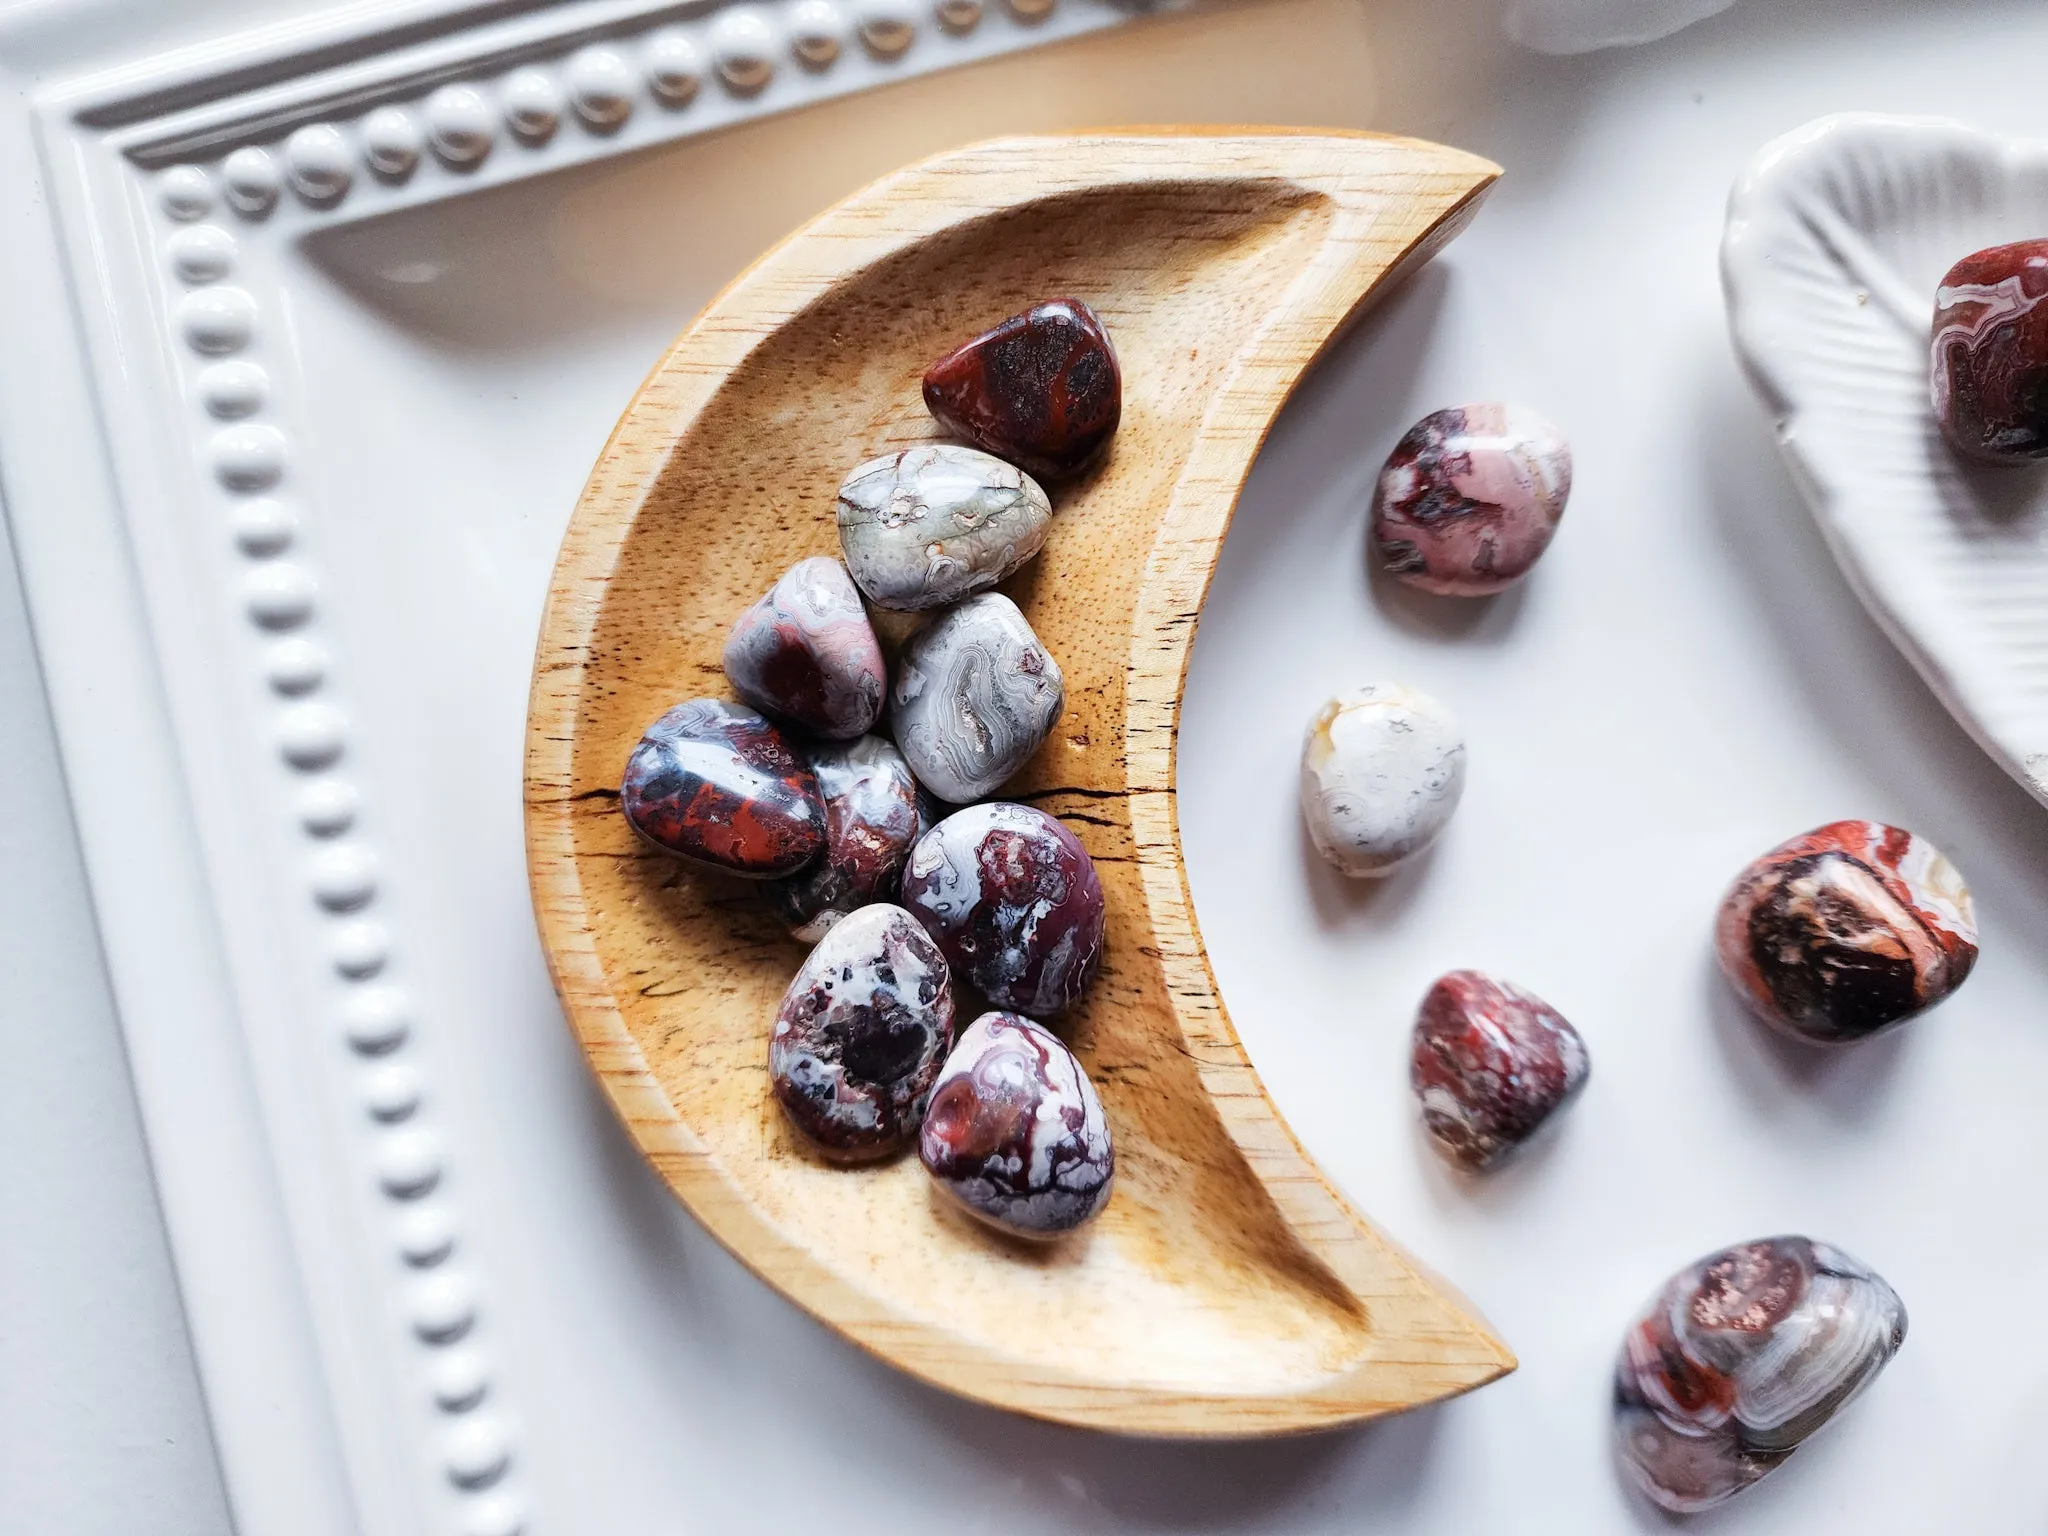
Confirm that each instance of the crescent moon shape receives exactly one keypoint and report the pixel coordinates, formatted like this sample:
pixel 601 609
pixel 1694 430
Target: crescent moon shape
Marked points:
pixel 1228 1290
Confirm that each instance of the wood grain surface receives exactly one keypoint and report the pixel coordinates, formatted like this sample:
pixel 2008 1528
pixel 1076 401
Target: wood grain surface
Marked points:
pixel 1228 1290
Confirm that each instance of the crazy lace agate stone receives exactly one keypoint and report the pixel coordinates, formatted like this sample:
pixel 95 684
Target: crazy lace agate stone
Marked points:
pixel 1470 498
pixel 871 819
pixel 931 525
pixel 718 784
pixel 862 1034
pixel 1012 898
pixel 1990 354
pixel 975 695
pixel 1382 769
pixel 1042 390
pixel 1015 1133
pixel 1739 1359
pixel 1848 930
pixel 1491 1064
pixel 806 654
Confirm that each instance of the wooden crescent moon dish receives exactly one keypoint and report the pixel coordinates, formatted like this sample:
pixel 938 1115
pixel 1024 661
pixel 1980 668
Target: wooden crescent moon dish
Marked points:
pixel 1228 1289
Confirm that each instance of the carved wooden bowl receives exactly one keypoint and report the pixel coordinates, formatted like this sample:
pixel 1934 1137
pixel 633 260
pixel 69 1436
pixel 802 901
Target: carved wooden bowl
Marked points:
pixel 1228 1290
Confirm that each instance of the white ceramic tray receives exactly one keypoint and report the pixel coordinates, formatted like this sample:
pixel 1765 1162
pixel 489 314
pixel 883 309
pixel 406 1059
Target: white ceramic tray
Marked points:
pixel 1686 681
pixel 1837 237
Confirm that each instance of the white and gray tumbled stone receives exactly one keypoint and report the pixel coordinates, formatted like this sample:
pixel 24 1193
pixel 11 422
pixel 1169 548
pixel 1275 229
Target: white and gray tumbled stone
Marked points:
pixel 933 524
pixel 1382 769
pixel 975 694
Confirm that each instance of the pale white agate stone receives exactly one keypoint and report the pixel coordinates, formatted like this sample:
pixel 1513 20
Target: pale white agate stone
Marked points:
pixel 1382 768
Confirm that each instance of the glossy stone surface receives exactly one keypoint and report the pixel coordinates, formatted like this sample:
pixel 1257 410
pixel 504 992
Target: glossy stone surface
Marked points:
pixel 1015 1132
pixel 718 783
pixel 1012 898
pixel 861 1035
pixel 931 525
pixel 1042 390
pixel 805 653
pixel 975 695
pixel 871 819
pixel 1845 931
pixel 1990 354
pixel 1739 1359
pixel 1491 1064
pixel 1382 769
pixel 1469 499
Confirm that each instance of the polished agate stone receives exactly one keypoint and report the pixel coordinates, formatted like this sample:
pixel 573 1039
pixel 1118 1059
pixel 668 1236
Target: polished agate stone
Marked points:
pixel 861 1035
pixel 1015 1133
pixel 1491 1065
pixel 721 785
pixel 1470 498
pixel 805 653
pixel 1990 354
pixel 1382 769
pixel 1012 898
pixel 1843 932
pixel 931 525
pixel 1741 1357
pixel 975 695
pixel 871 819
pixel 1041 390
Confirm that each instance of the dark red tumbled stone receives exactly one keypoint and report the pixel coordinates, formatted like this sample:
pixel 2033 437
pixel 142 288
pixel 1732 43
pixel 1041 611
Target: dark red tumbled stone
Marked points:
pixel 872 817
pixel 1042 390
pixel 719 784
pixel 1012 899
pixel 1491 1064
pixel 1990 363
pixel 806 654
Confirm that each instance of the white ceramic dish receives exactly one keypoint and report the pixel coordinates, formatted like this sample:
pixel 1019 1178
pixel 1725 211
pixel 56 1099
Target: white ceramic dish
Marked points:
pixel 1685 682
pixel 1837 237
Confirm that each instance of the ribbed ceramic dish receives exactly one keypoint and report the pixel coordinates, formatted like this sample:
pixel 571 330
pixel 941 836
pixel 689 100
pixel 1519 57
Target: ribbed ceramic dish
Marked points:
pixel 1228 1289
pixel 1837 237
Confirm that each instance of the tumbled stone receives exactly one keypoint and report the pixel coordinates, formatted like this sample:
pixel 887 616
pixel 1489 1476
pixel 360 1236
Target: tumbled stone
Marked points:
pixel 1012 899
pixel 871 819
pixel 1739 1359
pixel 931 525
pixel 1843 932
pixel 1041 390
pixel 717 783
pixel 862 1034
pixel 1015 1132
pixel 1491 1064
pixel 1990 354
pixel 806 654
pixel 975 695
pixel 1470 498
pixel 1382 769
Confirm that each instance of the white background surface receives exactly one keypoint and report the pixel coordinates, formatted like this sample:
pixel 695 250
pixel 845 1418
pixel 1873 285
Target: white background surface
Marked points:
pixel 1684 682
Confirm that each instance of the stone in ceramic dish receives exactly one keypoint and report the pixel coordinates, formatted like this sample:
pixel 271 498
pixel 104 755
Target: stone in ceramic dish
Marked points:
pixel 975 695
pixel 806 654
pixel 1012 899
pixel 1042 390
pixel 871 819
pixel 933 524
pixel 718 784
pixel 1015 1133
pixel 1470 498
pixel 1492 1064
pixel 1990 354
pixel 861 1035
pixel 1846 931
pixel 1382 769
pixel 1739 1359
